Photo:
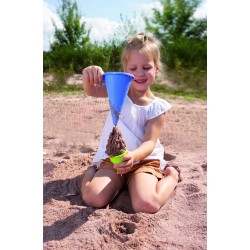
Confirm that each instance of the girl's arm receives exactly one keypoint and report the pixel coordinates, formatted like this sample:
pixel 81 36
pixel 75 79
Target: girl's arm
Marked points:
pixel 152 133
pixel 92 81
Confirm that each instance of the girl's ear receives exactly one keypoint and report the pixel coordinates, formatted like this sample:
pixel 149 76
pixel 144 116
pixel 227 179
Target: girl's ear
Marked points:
pixel 157 69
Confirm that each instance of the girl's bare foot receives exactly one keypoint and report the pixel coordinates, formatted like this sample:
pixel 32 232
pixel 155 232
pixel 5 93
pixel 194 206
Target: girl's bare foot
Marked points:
pixel 173 171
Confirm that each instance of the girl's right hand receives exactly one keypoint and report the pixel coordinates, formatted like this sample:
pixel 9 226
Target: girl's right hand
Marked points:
pixel 92 81
pixel 92 75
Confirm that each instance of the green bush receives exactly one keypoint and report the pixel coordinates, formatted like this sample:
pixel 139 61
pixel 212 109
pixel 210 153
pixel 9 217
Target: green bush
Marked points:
pixel 184 50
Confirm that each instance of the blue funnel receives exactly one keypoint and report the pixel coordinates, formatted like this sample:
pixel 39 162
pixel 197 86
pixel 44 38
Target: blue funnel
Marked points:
pixel 117 84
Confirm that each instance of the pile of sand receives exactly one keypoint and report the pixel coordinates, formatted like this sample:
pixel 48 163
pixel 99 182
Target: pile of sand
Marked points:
pixel 72 127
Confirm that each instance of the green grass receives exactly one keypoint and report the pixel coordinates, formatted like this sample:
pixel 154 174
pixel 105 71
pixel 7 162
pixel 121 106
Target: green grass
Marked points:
pixel 185 93
pixel 158 89
pixel 63 89
pixel 190 83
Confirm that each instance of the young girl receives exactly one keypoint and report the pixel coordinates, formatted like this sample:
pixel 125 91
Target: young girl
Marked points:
pixel 143 168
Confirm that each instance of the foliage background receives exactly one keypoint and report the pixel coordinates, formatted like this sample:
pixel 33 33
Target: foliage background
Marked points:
pixel 183 38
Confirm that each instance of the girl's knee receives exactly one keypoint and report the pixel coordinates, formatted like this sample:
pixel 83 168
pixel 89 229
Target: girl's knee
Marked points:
pixel 93 199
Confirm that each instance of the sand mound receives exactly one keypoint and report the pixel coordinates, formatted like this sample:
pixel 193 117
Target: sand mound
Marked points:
pixel 72 127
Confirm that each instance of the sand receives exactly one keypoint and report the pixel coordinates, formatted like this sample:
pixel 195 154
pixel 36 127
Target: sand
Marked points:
pixel 72 128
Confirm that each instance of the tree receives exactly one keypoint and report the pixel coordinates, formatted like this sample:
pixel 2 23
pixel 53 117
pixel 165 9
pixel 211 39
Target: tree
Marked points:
pixel 74 33
pixel 184 37
pixel 126 29
pixel 70 41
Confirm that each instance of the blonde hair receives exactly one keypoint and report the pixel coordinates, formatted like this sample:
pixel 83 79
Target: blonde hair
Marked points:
pixel 147 45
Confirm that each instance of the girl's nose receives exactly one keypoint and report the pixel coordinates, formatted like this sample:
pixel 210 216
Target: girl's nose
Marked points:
pixel 139 72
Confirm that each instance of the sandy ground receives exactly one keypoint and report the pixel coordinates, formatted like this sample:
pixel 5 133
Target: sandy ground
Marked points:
pixel 72 127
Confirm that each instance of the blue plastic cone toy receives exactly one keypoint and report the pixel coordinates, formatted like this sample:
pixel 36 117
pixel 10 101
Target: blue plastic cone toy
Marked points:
pixel 117 84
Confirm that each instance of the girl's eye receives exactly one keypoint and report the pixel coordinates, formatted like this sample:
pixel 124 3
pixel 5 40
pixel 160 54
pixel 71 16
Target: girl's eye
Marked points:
pixel 145 68
pixel 148 67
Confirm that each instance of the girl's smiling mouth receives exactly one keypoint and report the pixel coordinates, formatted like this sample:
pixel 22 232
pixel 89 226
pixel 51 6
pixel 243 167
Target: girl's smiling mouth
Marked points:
pixel 140 81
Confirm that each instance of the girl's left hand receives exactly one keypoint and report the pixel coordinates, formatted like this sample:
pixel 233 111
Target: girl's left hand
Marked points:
pixel 126 165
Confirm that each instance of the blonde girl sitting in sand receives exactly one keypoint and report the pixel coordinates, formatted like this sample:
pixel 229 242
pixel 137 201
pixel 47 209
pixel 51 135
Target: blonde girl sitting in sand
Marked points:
pixel 143 170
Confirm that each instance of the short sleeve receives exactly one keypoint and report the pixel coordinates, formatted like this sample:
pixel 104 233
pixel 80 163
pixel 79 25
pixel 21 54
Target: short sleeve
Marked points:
pixel 158 107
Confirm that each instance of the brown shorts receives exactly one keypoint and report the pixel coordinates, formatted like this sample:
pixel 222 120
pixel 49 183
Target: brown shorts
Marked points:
pixel 150 166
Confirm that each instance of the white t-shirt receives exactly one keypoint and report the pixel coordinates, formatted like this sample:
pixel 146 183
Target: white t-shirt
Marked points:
pixel 132 123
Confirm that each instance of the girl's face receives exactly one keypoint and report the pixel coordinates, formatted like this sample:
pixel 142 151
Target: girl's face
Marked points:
pixel 143 68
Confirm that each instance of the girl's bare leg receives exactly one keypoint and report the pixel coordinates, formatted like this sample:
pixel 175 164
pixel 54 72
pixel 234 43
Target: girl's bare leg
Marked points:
pixel 89 174
pixel 100 187
pixel 148 194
